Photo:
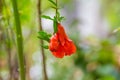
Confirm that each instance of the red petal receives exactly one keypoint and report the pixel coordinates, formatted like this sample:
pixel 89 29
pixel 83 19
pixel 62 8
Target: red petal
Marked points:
pixel 59 53
pixel 54 43
pixel 69 47
pixel 61 34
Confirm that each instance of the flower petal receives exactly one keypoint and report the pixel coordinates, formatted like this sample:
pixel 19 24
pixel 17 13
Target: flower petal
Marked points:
pixel 61 34
pixel 59 53
pixel 69 47
pixel 54 43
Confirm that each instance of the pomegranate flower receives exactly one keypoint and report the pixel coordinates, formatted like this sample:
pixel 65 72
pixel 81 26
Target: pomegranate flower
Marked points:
pixel 60 45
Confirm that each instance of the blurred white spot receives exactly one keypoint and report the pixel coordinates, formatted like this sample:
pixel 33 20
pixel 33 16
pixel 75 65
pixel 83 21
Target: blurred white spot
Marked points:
pixel 35 72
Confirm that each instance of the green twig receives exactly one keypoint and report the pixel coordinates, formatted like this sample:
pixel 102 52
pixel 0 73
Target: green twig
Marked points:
pixel 19 40
pixel 56 10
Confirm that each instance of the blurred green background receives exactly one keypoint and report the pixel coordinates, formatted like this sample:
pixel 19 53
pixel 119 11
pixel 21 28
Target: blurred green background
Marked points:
pixel 93 25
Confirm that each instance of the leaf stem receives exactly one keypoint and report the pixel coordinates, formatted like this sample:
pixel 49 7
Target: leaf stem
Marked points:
pixel 19 40
pixel 57 10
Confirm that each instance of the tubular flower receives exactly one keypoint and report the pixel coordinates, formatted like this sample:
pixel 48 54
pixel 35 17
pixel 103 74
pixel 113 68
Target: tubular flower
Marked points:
pixel 60 45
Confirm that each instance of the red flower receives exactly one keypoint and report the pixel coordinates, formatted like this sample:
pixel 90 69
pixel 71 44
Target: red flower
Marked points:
pixel 60 45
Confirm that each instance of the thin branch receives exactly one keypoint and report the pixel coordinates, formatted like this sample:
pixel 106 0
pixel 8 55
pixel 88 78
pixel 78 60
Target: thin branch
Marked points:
pixel 56 9
pixel 19 40
pixel 41 42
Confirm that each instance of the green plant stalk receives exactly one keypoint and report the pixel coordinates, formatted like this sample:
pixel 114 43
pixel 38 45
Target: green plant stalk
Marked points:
pixel 57 10
pixel 55 22
pixel 19 40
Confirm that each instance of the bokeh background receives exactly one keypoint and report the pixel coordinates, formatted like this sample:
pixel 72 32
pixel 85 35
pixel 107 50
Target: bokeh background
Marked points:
pixel 93 25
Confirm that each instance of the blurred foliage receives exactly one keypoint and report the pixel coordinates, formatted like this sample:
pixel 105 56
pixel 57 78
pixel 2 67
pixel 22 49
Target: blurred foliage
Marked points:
pixel 95 59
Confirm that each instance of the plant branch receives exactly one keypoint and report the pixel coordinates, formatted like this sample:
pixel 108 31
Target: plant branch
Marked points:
pixel 41 42
pixel 56 10
pixel 19 40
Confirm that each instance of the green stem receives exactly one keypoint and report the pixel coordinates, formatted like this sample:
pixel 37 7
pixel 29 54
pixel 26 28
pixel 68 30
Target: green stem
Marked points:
pixel 19 40
pixel 56 10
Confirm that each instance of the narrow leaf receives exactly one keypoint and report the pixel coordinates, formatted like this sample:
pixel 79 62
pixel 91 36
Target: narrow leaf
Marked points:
pixel 45 46
pixel 44 36
pixel 46 17
pixel 61 18
pixel 54 7
pixel 53 2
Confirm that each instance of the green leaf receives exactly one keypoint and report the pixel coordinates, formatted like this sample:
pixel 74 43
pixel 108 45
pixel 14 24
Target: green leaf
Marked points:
pixel 44 36
pixel 55 24
pixel 61 18
pixel 55 7
pixel 53 2
pixel 45 46
pixel 46 17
